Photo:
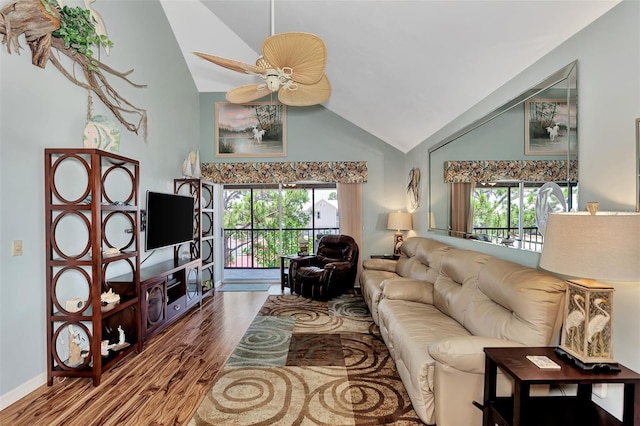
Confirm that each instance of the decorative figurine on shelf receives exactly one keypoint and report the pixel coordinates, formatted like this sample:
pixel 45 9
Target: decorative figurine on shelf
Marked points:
pixel 108 300
pixel 76 353
pixel 191 165
pixel 109 296
pixel 105 347
pixel 120 335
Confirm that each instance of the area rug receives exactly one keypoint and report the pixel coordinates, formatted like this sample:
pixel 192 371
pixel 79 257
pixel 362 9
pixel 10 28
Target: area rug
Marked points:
pixel 306 362
pixel 244 287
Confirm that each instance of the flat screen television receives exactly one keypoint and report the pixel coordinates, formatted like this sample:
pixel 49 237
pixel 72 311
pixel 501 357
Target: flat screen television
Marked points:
pixel 169 220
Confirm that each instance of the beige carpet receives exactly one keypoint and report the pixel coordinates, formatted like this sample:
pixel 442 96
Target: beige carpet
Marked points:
pixel 305 362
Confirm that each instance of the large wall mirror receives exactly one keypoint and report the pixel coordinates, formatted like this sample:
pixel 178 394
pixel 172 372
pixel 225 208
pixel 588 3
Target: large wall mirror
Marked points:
pixel 496 180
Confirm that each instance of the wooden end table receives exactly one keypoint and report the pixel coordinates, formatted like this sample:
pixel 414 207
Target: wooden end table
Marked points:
pixel 285 259
pixel 522 410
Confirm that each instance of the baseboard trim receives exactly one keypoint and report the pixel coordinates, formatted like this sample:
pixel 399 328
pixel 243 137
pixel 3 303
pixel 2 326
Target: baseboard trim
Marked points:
pixel 21 391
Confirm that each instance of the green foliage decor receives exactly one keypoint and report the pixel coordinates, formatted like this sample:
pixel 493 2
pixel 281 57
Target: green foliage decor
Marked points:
pixel 78 31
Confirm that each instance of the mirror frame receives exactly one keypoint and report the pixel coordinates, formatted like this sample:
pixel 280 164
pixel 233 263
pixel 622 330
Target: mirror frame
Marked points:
pixel 638 164
pixel 559 76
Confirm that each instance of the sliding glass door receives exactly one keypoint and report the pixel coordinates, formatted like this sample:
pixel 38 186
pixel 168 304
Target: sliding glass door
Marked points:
pixel 262 222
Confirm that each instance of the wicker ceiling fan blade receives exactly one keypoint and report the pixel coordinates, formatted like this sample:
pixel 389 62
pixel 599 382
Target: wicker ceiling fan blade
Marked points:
pixel 306 95
pixel 305 53
pixel 247 93
pixel 231 64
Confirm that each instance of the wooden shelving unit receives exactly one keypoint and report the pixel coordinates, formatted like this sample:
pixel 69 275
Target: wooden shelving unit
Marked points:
pixel 202 246
pixel 91 205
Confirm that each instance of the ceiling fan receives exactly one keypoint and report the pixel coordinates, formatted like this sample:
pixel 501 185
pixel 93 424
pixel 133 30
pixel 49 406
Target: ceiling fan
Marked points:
pixel 291 64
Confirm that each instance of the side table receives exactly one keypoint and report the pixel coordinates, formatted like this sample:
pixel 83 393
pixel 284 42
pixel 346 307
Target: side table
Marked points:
pixel 521 410
pixel 284 269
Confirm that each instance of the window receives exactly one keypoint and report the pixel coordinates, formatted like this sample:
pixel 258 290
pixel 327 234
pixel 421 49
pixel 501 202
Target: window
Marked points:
pixel 261 222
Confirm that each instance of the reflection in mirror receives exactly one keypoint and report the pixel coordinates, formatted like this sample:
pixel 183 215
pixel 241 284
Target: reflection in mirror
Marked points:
pixel 485 179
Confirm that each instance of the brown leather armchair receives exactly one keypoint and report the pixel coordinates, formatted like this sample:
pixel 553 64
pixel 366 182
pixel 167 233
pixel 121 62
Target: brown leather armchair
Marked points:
pixel 332 271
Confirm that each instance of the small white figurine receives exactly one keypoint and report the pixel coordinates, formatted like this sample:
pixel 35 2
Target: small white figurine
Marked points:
pixel 120 335
pixel 105 347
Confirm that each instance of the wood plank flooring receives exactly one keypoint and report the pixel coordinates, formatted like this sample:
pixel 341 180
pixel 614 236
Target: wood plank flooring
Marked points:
pixel 161 386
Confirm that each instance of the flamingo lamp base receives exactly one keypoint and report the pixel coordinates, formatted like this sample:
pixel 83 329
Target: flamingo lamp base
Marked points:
pixel 587 335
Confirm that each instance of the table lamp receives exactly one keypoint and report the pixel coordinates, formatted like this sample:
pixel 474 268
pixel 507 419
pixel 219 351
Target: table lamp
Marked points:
pixel 399 222
pixel 595 246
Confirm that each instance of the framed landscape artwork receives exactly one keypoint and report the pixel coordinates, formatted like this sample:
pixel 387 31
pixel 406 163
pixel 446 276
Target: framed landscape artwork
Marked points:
pixel 550 127
pixel 255 129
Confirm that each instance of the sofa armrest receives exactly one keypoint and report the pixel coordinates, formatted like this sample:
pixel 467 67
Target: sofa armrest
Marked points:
pixel 380 264
pixel 466 353
pixel 407 289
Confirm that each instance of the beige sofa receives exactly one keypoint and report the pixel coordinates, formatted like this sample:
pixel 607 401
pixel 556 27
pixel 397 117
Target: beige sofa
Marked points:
pixel 438 307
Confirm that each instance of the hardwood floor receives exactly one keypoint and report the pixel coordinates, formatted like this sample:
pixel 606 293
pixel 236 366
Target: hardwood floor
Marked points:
pixel 161 386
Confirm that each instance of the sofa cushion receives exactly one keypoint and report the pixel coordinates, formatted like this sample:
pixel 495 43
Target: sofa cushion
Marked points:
pixel 409 329
pixel 466 353
pixel 411 267
pixel 380 264
pixel 420 258
pixel 400 288
pixel 457 281
pixel 516 303
pixel 370 285
pixel 430 253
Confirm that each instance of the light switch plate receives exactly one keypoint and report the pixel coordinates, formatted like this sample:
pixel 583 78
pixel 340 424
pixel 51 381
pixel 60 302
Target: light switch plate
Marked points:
pixel 16 248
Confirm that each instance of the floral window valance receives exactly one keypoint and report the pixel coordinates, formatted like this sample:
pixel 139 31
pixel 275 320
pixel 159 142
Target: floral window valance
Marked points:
pixel 497 170
pixel 285 172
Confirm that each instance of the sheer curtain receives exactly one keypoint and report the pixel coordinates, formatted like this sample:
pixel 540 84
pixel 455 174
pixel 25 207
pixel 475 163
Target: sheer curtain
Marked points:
pixel 350 208
pixel 462 209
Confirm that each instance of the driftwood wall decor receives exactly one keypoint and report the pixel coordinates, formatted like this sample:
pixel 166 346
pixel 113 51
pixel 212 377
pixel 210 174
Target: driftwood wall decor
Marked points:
pixel 38 20
pixel 413 188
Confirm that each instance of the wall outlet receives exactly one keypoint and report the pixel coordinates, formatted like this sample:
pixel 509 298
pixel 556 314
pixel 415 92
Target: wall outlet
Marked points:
pixel 599 390
pixel 16 248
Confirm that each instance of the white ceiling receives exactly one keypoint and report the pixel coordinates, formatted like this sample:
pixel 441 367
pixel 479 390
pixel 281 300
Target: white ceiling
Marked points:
pixel 400 70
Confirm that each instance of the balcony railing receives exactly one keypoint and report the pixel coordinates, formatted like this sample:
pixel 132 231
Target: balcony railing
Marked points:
pixel 530 240
pixel 251 248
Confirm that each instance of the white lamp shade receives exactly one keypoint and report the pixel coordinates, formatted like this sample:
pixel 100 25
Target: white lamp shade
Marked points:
pixel 399 221
pixel 604 246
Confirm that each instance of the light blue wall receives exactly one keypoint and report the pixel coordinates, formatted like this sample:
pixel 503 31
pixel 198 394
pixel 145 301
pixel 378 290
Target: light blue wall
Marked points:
pixel 608 54
pixel 39 108
pixel 317 134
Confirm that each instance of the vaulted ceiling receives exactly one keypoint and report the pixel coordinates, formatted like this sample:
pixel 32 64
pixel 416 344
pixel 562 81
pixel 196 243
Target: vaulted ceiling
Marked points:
pixel 400 70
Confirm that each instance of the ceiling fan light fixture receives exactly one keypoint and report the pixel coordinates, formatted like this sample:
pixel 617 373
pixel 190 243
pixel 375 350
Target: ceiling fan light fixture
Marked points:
pixel 291 64
pixel 272 80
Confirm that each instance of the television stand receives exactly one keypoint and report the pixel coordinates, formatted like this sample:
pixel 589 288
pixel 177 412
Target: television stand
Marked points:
pixel 168 290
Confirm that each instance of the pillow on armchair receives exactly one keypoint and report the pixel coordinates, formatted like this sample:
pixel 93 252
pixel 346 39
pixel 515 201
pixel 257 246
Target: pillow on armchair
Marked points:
pixel 330 272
